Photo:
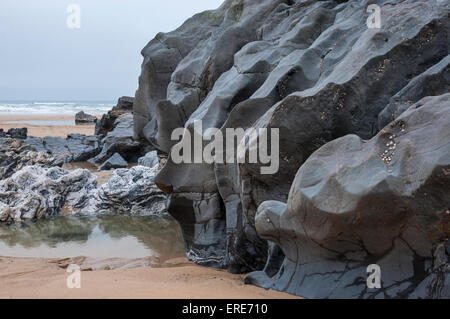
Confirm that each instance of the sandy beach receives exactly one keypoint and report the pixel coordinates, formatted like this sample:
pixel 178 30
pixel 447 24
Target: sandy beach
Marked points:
pixel 48 129
pixel 175 279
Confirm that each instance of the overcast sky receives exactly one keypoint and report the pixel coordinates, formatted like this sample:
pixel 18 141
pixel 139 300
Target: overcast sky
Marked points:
pixel 42 59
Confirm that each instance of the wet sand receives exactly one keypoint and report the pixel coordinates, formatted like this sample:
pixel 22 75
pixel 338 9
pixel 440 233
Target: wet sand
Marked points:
pixel 175 279
pixel 26 120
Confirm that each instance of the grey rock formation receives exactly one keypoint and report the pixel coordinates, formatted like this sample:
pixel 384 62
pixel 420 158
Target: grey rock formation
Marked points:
pixel 18 132
pixel 120 140
pixel 2 133
pixel 354 203
pixel 74 148
pixel 434 81
pixel 36 192
pixel 107 122
pixel 83 118
pixel 129 191
pixel 15 154
pixel 149 160
pixel 312 69
pixel 115 161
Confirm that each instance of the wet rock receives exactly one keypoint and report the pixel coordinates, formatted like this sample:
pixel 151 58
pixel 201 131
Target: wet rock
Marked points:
pixel 83 118
pixel 359 202
pixel 129 191
pixel 2 133
pixel 107 122
pixel 149 160
pixel 74 148
pixel 312 69
pixel 120 140
pixel 18 133
pixel 16 154
pixel 115 161
pixel 36 192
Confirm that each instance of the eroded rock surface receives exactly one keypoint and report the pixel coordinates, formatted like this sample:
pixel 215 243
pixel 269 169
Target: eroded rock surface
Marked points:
pixel 37 192
pixel 353 203
pixel 107 122
pixel 312 69
pixel 15 154
pixel 74 148
pixel 120 140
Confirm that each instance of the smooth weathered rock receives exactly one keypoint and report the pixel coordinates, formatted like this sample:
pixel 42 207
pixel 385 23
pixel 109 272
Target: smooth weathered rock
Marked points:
pixel 82 117
pixel 354 203
pixel 18 133
pixel 434 81
pixel 16 154
pixel 149 160
pixel 115 161
pixel 312 69
pixel 107 122
pixel 120 140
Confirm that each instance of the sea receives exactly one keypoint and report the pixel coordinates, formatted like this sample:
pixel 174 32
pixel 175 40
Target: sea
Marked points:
pixel 55 107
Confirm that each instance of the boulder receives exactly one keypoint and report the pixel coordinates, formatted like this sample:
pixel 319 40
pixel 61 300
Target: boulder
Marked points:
pixel 115 161
pixel 129 191
pixel 149 160
pixel 83 118
pixel 107 122
pixel 74 148
pixel 120 140
pixel 36 192
pixel 356 203
pixel 16 154
pixel 18 133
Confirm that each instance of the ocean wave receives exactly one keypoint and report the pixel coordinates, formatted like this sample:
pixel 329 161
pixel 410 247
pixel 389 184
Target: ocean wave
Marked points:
pixel 55 107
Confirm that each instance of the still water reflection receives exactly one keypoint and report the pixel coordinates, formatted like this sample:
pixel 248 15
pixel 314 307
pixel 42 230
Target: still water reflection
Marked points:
pixel 103 236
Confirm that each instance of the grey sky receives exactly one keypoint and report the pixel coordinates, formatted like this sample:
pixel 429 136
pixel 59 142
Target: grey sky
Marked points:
pixel 42 59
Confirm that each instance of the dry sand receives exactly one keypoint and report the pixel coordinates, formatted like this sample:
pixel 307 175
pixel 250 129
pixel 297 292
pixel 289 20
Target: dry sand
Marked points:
pixel 176 279
pixel 45 130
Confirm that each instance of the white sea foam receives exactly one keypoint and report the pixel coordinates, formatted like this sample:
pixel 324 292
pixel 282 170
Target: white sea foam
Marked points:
pixel 55 107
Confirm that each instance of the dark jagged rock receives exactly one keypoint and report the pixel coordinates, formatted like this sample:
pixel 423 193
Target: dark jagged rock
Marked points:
pixel 129 191
pixel 120 140
pixel 149 160
pixel 312 69
pixel 15 154
pixel 107 122
pixel 115 161
pixel 18 133
pixel 354 203
pixel 83 118
pixel 2 133
pixel 74 148
pixel 36 192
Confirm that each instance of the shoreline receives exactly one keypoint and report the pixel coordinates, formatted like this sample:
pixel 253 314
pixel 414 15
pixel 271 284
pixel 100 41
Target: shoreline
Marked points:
pixel 176 278
pixel 46 130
